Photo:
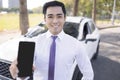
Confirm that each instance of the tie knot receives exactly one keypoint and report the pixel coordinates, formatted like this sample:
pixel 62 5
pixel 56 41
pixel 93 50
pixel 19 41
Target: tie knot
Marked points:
pixel 54 37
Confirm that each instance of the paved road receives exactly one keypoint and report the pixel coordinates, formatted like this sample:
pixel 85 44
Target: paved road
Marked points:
pixel 107 66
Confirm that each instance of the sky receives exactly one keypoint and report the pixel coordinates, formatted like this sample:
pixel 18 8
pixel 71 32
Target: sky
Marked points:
pixel 5 5
pixel 30 3
pixel 35 3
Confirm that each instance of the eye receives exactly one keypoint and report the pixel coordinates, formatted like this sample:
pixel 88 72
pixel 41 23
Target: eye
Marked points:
pixel 59 16
pixel 50 17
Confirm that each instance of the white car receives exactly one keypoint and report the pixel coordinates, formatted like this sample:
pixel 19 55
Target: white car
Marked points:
pixel 81 28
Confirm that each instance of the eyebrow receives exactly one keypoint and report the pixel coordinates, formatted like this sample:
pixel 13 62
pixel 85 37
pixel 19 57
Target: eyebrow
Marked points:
pixel 57 14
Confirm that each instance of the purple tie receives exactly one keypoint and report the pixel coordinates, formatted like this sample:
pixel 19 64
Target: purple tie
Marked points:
pixel 52 59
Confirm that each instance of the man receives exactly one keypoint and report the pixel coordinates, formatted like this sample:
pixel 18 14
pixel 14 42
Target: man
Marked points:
pixel 67 51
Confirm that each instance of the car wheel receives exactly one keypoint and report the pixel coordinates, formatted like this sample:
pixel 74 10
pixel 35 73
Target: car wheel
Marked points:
pixel 97 51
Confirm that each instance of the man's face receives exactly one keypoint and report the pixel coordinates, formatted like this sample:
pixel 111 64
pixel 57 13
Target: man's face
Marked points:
pixel 54 19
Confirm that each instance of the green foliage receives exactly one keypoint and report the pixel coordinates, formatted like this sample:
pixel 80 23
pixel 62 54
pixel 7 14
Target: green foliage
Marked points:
pixel 118 5
pixel 103 7
pixel 85 8
pixel 69 6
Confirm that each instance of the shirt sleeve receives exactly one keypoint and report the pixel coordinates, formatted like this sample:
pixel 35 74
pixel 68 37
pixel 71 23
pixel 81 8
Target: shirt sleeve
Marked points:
pixel 84 63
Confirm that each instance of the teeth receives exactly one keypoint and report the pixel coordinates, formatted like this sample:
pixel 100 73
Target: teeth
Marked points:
pixel 55 26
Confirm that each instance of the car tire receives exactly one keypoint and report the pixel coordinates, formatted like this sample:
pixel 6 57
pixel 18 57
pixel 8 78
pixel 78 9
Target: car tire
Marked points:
pixel 96 53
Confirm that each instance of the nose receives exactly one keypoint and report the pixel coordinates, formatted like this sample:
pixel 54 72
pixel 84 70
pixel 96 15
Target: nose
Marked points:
pixel 55 20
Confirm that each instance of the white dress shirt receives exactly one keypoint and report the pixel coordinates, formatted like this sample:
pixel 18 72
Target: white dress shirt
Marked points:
pixel 68 51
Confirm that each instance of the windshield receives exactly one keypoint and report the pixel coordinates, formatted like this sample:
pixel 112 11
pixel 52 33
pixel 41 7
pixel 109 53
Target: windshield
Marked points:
pixel 41 28
pixel 71 29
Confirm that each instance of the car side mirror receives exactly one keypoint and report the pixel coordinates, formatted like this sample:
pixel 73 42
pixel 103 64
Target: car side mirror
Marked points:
pixel 90 37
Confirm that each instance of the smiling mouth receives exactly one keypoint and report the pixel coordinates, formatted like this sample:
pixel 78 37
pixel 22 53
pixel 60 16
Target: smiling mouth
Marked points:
pixel 55 26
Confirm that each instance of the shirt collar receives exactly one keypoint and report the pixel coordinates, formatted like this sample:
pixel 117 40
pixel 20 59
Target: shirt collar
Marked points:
pixel 60 35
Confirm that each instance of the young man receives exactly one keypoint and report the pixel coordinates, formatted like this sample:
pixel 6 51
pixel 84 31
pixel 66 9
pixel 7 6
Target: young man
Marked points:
pixel 66 49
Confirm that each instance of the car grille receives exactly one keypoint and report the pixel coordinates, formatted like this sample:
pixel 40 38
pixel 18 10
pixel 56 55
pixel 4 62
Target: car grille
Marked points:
pixel 4 69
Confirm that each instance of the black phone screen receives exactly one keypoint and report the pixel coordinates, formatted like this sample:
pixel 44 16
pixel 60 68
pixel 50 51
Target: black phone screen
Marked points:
pixel 25 58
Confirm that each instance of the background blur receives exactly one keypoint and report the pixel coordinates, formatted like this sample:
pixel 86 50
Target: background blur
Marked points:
pixel 16 16
pixel 103 10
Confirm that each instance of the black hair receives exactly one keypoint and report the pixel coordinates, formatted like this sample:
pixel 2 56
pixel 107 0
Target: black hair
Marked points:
pixel 53 4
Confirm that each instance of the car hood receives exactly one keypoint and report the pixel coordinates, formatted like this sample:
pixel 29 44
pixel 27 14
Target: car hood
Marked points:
pixel 9 49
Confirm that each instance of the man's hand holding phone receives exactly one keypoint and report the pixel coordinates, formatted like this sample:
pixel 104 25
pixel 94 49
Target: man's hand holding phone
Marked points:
pixel 23 66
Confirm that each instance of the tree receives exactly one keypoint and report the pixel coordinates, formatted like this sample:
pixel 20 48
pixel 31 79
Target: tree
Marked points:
pixel 94 11
pixel 85 8
pixel 24 24
pixel 113 13
pixel 102 10
pixel 69 6
pixel 75 10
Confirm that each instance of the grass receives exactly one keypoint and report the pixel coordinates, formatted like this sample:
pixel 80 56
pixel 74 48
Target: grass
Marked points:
pixel 11 21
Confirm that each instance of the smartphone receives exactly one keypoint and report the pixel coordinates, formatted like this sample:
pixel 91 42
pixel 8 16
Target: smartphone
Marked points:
pixel 25 58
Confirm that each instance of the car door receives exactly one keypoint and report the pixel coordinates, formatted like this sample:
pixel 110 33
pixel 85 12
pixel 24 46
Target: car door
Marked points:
pixel 84 31
pixel 89 39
